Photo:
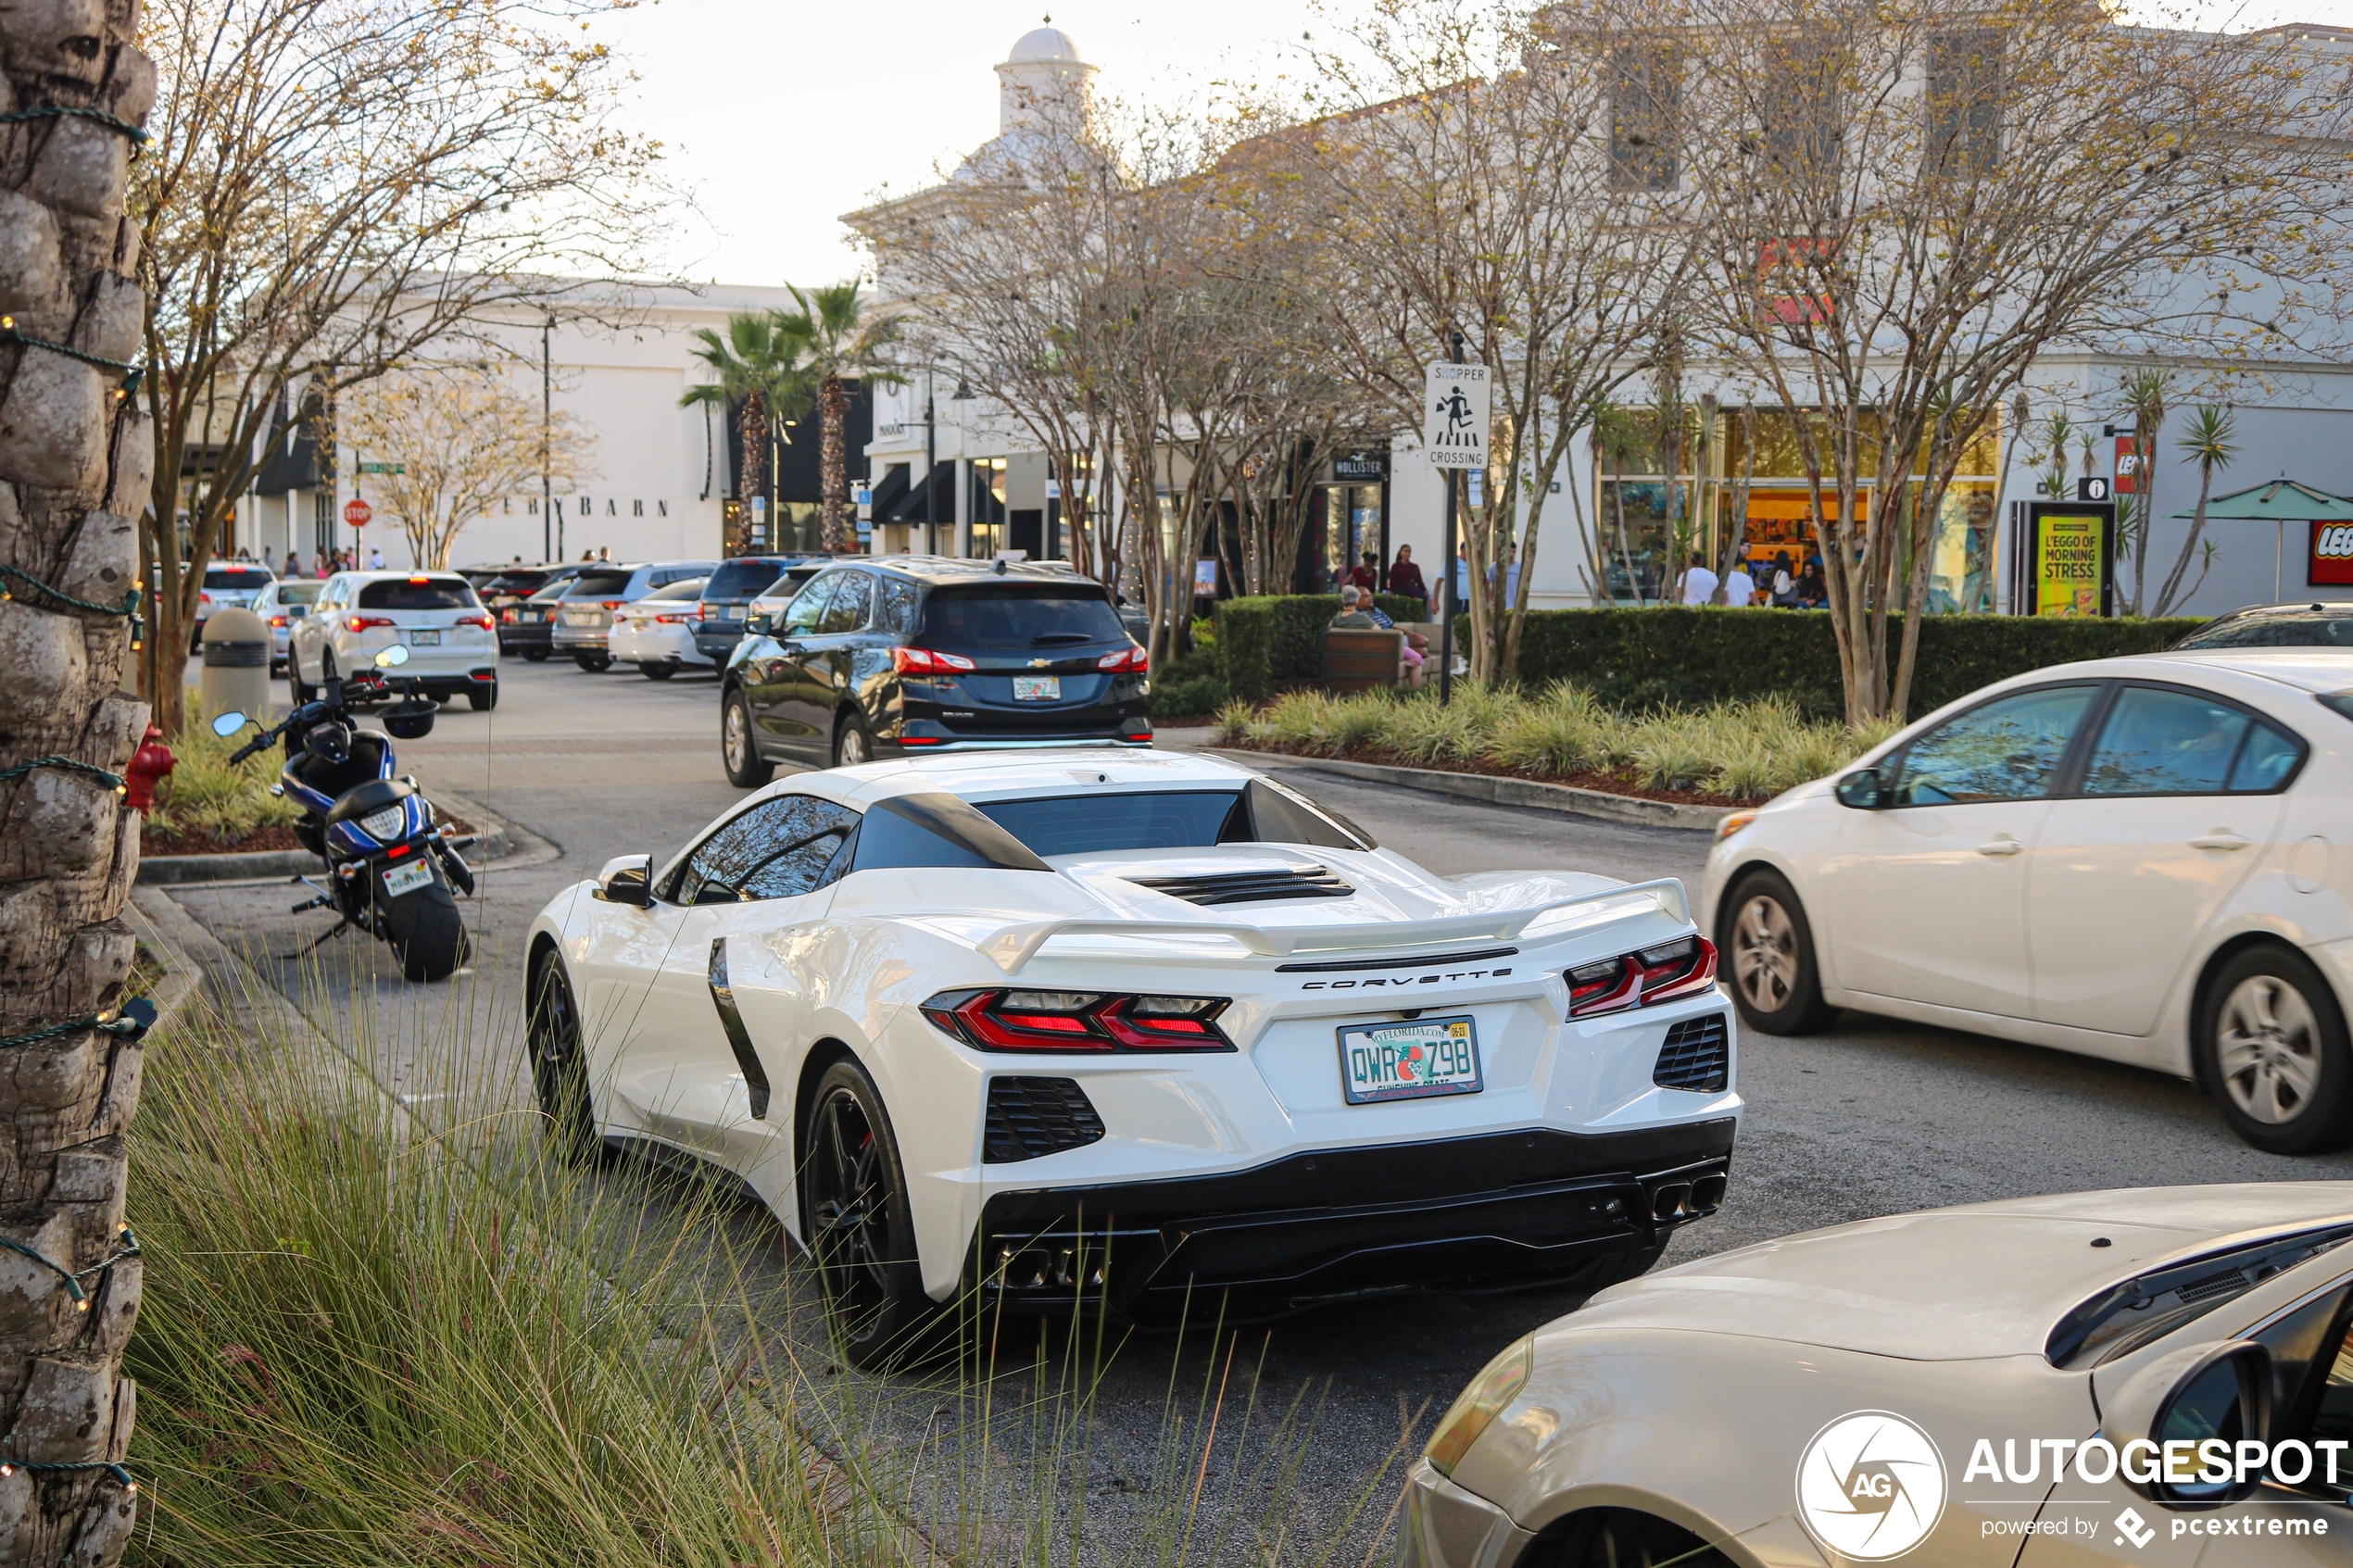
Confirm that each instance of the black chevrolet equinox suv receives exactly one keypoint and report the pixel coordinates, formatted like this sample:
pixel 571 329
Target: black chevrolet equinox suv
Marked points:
pixel 900 656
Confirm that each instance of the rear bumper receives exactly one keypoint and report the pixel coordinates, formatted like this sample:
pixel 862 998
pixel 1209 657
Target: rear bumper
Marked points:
pixel 578 639
pixel 1493 1211
pixel 522 635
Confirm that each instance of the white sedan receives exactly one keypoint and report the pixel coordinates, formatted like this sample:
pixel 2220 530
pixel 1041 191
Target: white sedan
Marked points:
pixel 657 633
pixel 1054 1026
pixel 452 643
pixel 2137 859
pixel 2162 1377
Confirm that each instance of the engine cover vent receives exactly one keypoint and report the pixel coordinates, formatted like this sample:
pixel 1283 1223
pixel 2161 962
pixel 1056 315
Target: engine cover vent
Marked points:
pixel 1697 1056
pixel 1030 1117
pixel 1250 888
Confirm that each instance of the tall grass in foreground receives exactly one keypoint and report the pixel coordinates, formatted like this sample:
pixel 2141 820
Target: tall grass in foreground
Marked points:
pixel 1745 750
pixel 365 1339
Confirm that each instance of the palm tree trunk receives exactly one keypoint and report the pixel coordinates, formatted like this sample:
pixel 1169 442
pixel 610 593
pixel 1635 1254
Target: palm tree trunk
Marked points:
pixel 752 428
pixel 2165 595
pixel 75 466
pixel 833 469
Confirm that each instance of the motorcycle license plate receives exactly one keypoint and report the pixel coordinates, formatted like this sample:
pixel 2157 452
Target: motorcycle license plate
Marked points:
pixel 1428 1055
pixel 1037 688
pixel 424 639
pixel 408 878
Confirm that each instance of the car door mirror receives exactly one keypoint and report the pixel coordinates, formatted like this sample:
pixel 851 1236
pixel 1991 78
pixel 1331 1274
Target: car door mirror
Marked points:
pixel 2163 1415
pixel 756 622
pixel 1865 789
pixel 627 879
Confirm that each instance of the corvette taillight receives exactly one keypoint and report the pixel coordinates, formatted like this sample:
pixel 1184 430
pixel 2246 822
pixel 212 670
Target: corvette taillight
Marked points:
pixel 927 661
pixel 1684 967
pixel 1079 1020
pixel 1127 659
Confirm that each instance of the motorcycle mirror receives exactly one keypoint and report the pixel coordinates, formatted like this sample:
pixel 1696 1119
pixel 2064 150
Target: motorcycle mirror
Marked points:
pixel 229 723
pixel 391 658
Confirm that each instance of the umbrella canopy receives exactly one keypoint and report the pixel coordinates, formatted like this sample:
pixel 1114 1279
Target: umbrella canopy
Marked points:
pixel 2278 500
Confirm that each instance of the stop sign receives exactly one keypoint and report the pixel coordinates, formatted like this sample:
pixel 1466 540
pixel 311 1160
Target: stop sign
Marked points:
pixel 357 513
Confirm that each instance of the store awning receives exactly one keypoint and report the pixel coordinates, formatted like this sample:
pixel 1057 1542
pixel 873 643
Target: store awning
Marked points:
pixel 887 494
pixel 2278 500
pixel 908 506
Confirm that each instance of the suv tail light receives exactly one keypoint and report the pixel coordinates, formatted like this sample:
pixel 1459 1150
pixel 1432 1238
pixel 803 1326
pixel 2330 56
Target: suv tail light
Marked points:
pixel 1684 967
pixel 1079 1020
pixel 481 620
pixel 612 604
pixel 277 620
pixel 508 615
pixel 928 662
pixel 1126 658
pixel 361 623
pixel 678 619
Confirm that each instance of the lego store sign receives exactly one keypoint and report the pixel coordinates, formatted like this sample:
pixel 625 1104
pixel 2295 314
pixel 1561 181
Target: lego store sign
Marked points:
pixel 2332 559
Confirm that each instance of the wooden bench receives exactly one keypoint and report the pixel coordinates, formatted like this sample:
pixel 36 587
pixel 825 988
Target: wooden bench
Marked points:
pixel 1361 660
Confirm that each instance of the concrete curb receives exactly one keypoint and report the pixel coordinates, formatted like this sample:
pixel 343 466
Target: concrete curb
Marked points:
pixel 181 982
pixel 503 843
pixel 1501 791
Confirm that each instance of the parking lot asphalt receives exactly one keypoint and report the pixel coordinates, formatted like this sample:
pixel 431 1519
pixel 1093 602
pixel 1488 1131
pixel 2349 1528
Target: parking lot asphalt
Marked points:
pixel 1870 1118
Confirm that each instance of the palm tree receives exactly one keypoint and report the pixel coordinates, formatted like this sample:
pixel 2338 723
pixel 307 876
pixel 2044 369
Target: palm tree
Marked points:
pixel 2210 442
pixel 2144 397
pixel 837 343
pixel 756 368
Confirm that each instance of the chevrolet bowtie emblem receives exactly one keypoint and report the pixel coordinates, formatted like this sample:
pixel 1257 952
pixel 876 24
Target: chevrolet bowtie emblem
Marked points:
pixel 1037 663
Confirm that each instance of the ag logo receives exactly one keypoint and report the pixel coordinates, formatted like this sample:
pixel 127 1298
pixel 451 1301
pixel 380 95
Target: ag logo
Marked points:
pixel 1870 1485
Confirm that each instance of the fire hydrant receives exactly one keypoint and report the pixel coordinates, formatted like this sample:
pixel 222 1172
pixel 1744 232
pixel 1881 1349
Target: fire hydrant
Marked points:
pixel 149 764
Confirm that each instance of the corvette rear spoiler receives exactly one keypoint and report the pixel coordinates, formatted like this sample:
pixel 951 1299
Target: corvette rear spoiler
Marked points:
pixel 1014 945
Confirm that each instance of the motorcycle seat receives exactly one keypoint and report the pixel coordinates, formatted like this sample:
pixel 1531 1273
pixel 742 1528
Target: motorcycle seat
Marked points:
pixel 332 778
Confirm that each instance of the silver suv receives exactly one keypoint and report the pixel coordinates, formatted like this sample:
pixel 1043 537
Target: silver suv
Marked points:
pixel 583 616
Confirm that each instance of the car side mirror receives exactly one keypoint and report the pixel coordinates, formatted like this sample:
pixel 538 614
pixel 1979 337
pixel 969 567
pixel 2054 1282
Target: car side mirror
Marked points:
pixel 2169 1409
pixel 1865 789
pixel 627 879
pixel 756 622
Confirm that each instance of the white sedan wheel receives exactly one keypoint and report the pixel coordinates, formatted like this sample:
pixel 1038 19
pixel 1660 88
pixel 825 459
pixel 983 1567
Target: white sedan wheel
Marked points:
pixel 2268 1047
pixel 1765 954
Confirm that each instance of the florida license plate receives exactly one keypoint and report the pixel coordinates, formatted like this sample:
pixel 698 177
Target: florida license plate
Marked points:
pixel 408 878
pixel 1037 688
pixel 424 639
pixel 1428 1055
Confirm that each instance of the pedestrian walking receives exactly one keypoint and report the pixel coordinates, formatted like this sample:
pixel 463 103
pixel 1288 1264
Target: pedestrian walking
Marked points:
pixel 1699 583
pixel 375 558
pixel 1406 578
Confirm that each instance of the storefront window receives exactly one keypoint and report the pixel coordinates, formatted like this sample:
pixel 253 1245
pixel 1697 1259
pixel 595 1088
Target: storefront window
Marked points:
pixel 1351 527
pixel 987 509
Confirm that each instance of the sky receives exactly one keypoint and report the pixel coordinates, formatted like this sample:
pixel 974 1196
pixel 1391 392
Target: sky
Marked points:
pixel 780 115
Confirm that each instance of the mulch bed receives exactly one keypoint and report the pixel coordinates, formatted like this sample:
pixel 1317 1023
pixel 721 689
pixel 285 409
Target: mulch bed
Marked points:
pixel 277 835
pixel 1621 781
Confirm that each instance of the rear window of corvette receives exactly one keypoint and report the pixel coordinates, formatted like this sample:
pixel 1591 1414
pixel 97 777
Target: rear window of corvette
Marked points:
pixel 1083 824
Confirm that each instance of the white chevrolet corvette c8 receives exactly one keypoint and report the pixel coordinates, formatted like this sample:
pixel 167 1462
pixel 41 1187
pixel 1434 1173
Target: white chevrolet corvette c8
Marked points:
pixel 1066 1026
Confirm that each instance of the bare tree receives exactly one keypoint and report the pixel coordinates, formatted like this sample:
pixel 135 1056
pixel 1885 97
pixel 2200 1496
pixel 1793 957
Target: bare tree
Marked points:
pixel 1910 202
pixel 459 439
pixel 333 186
pixel 1473 169
pixel 73 474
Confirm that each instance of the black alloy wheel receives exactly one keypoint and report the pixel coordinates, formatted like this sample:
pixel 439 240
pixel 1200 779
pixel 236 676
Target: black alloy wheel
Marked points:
pixel 2272 1048
pixel 656 671
pixel 295 686
pixel 861 1231
pixel 558 1069
pixel 484 698
pixel 853 743
pixel 595 663
pixel 746 768
pixel 1767 948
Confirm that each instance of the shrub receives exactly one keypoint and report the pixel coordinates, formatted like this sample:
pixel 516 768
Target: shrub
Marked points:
pixel 1270 641
pixel 207 797
pixel 1686 658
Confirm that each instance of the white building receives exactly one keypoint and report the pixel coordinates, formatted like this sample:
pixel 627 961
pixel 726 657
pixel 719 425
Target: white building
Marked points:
pixel 662 480
pixel 986 495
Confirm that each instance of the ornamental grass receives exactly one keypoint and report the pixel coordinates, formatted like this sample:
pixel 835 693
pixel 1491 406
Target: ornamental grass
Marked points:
pixel 1735 750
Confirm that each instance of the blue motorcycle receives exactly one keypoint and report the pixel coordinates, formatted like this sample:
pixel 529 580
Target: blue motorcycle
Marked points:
pixel 391 869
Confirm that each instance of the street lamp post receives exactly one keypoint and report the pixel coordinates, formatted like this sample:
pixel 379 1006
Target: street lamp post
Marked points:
pixel 549 550
pixel 1446 594
pixel 931 458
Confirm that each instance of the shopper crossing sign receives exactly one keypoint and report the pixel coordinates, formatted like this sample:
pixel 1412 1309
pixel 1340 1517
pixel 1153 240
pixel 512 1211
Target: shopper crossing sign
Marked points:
pixel 1455 415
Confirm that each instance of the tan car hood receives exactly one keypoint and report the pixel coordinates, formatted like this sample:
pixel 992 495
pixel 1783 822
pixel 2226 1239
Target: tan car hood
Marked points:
pixel 1987 1279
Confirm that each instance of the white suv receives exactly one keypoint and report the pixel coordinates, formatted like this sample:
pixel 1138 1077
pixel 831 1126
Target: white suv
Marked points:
pixel 452 643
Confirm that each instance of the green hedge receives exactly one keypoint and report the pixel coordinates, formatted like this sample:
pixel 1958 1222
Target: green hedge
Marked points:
pixel 1689 658
pixel 1682 658
pixel 1273 641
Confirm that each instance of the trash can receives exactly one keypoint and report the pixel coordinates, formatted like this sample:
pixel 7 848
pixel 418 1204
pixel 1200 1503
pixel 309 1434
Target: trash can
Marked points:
pixel 236 662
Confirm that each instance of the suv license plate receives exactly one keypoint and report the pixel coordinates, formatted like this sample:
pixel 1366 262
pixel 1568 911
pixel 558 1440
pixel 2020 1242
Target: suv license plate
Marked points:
pixel 408 878
pixel 1037 688
pixel 1428 1055
pixel 424 639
